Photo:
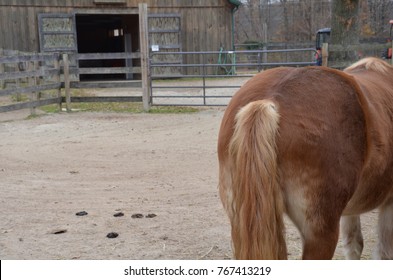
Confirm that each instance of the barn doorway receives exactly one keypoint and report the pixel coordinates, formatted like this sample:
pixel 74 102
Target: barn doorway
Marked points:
pixel 107 33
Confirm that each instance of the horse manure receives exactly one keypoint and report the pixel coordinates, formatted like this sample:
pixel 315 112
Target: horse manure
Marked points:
pixel 137 216
pixel 81 213
pixel 119 214
pixel 60 231
pixel 151 215
pixel 112 235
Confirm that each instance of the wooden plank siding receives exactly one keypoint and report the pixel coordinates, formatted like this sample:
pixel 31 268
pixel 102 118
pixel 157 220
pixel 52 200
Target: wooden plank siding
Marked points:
pixel 205 25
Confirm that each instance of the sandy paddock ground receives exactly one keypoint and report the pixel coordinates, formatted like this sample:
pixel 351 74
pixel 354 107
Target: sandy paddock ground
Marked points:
pixel 57 165
pixel 159 170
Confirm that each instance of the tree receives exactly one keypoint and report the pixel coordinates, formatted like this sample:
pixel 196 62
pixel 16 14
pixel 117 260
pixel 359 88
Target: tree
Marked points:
pixel 252 21
pixel 345 30
pixel 295 22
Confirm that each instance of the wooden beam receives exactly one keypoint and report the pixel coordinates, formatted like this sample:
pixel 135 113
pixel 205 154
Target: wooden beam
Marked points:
pixel 90 99
pixel 109 70
pixel 28 57
pixel 32 83
pixel 56 65
pixel 29 89
pixel 144 43
pixel 100 56
pixel 2 83
pixel 30 104
pixel 66 70
pixel 41 72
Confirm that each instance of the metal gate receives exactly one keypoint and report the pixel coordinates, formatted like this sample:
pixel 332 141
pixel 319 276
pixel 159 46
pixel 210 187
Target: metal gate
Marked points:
pixel 215 76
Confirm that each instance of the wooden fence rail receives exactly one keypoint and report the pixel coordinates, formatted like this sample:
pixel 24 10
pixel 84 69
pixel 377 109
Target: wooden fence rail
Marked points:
pixel 107 70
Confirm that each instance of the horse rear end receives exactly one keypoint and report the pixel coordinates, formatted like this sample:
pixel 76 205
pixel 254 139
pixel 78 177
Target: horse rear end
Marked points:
pixel 294 141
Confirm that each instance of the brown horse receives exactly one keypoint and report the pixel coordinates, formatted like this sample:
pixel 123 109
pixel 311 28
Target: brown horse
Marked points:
pixel 314 143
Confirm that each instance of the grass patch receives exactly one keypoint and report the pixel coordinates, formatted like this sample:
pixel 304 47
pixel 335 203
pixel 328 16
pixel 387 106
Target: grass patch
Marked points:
pixel 121 107
pixel 50 109
pixel 172 110
pixel 117 107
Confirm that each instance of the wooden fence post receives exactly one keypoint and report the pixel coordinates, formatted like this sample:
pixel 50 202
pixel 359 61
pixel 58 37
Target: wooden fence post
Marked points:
pixel 17 81
pixel 32 82
pixel 66 65
pixel 37 78
pixel 144 42
pixel 2 83
pixel 325 54
pixel 56 65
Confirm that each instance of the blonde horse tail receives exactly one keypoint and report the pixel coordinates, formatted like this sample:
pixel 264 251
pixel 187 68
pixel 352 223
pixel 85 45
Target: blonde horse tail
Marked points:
pixel 257 205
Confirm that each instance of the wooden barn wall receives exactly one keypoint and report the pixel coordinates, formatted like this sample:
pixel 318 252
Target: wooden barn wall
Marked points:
pixel 206 25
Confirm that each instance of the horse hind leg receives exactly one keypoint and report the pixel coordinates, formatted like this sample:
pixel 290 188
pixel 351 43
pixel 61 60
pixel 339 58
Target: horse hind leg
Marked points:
pixel 319 245
pixel 384 249
pixel 319 236
pixel 352 237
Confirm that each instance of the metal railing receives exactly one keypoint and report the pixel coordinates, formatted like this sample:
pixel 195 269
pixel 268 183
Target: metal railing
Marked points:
pixel 205 78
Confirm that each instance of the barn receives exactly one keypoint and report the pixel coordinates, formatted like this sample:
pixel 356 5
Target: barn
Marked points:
pixel 109 26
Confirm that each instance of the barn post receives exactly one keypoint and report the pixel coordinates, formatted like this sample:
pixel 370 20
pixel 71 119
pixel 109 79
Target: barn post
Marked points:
pixel 17 81
pixel 2 70
pixel 56 65
pixel 144 44
pixel 37 82
pixel 32 82
pixel 66 65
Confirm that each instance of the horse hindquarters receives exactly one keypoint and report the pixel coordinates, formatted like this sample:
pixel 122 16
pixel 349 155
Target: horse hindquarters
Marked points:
pixel 256 209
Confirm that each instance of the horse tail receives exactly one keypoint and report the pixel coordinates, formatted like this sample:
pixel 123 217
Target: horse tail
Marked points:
pixel 257 201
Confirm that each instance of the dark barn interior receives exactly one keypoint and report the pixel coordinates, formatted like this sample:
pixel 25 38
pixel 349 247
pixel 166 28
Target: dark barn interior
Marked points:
pixel 107 33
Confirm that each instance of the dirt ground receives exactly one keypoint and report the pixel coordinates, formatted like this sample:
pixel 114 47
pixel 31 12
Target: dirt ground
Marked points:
pixel 159 170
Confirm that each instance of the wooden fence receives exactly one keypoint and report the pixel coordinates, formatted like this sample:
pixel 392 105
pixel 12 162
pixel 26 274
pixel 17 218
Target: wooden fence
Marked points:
pixel 26 78
pixel 69 82
pixel 34 80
